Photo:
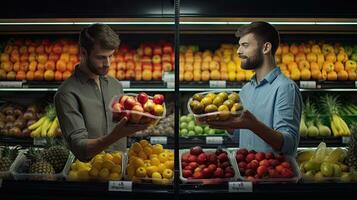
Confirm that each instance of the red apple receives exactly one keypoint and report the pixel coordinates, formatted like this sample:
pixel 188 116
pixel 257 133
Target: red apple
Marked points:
pixel 187 173
pixel 167 48
pixel 192 158
pixel 218 173
pixel 228 175
pixel 249 172
pixel 262 170
pixel 128 56
pixel 279 168
pixel 189 167
pixel 269 155
pixel 202 158
pixel 264 162
pixel 250 157
pixel 197 175
pixel 259 156
pixel 157 50
pixel 129 103
pixel 123 99
pixel 207 172
pixel 225 164
pixel 229 169
pixel 274 162
pixel 287 173
pixel 212 158
pixel 184 157
pixel 158 99
pixel 213 167
pixel 254 164
pixel 135 117
pixel 142 98
pixel 243 151
pixel 117 107
pixel 242 164
pixel 280 157
pixel 193 164
pixel 223 157
pixel 197 150
pixel 167 66
pixel 184 164
pixel 239 157
pixel 252 151
pixel 273 173
pixel 286 164
pixel 166 58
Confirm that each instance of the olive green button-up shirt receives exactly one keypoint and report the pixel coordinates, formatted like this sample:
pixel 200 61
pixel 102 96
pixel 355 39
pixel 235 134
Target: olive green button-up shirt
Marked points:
pixel 84 112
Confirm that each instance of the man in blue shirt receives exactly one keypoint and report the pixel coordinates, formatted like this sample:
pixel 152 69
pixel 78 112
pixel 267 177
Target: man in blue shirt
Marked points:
pixel 272 102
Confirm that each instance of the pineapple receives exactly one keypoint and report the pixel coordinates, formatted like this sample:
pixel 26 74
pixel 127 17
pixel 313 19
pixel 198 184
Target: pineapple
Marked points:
pixel 38 164
pixel 57 156
pixel 8 156
pixel 351 158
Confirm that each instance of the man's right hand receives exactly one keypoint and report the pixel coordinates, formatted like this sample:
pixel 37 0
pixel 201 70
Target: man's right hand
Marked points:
pixel 123 129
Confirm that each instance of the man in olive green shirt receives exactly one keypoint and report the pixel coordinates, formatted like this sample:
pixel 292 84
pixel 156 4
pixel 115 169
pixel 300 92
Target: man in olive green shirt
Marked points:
pixel 82 101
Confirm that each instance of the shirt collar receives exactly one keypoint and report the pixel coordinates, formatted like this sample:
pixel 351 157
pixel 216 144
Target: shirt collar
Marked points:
pixel 83 77
pixel 270 77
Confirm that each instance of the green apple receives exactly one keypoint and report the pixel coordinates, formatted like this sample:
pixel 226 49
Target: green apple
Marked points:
pixel 211 132
pixel 183 118
pixel 183 132
pixel 198 130
pixel 191 127
pixel 191 133
pixel 206 130
pixel 183 125
pixel 190 117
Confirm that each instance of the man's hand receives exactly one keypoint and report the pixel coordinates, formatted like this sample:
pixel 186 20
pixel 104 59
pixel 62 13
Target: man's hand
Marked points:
pixel 123 129
pixel 246 121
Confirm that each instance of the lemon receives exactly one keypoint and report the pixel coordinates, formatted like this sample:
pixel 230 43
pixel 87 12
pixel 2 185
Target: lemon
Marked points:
pixel 116 169
pixel 114 176
pixel 163 157
pixel 169 164
pixel 155 161
pixel 157 149
pixel 143 143
pixel 151 169
pixel 104 173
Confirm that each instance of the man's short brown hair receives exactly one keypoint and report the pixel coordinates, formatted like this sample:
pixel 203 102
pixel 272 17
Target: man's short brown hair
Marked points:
pixel 263 32
pixel 101 34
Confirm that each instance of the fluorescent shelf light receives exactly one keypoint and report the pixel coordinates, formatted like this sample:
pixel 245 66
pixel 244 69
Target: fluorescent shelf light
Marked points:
pixel 82 23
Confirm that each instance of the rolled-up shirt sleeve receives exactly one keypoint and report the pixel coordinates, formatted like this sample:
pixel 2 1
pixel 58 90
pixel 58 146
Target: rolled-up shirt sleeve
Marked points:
pixel 287 115
pixel 72 124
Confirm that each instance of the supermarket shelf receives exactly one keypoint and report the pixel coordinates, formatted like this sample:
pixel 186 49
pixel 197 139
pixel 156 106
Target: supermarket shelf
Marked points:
pixel 92 190
pixel 24 141
pixel 166 141
pixel 314 142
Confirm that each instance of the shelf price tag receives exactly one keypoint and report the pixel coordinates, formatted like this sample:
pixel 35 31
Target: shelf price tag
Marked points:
pixel 158 140
pixel 125 84
pixel 346 140
pixel 168 76
pixel 11 84
pixel 214 140
pixel 123 186
pixel 355 84
pixel 240 187
pixel 217 84
pixel 170 84
pixel 39 141
pixel 308 84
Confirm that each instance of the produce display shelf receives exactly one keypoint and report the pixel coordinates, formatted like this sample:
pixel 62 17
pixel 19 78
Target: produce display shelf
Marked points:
pixel 92 190
pixel 330 141
pixel 166 141
pixel 23 141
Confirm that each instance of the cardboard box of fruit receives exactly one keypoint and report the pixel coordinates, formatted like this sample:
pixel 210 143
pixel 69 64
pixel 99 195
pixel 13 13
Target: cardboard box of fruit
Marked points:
pixel 207 166
pixel 147 163
pixel 266 167
pixel 138 108
pixel 106 166
pixel 38 169
pixel 207 106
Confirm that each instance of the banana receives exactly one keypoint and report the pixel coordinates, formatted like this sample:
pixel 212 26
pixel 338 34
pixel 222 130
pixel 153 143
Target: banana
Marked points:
pixel 38 123
pixel 45 127
pixel 53 127
pixel 334 130
pixel 336 121
pixel 36 133
pixel 344 127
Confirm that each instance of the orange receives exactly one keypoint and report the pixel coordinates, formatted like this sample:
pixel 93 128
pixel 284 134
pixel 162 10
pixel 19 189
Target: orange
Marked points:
pixel 342 75
pixel 50 65
pixel 314 66
pixel 66 75
pixel 61 65
pixel 38 75
pixel 58 76
pixel 332 76
pixel 20 75
pixel 49 75
pixel 339 66
pixel 30 75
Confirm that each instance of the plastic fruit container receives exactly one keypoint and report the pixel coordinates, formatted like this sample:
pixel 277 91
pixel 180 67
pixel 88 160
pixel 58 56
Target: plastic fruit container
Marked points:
pixel 146 180
pixel 134 116
pixel 213 111
pixel 22 162
pixel 291 160
pixel 207 181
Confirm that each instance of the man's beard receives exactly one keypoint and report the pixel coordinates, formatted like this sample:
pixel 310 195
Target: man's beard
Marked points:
pixel 95 70
pixel 253 62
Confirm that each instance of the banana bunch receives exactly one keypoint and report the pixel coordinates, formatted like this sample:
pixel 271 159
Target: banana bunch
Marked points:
pixel 339 126
pixel 46 126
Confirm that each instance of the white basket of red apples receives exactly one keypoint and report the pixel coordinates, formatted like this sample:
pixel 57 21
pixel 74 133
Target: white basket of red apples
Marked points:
pixel 208 166
pixel 138 108
pixel 261 167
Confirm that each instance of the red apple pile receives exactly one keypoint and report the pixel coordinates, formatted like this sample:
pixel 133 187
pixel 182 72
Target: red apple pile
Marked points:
pixel 132 107
pixel 259 165
pixel 198 164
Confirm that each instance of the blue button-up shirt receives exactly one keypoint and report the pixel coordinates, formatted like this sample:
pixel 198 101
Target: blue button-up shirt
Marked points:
pixel 276 101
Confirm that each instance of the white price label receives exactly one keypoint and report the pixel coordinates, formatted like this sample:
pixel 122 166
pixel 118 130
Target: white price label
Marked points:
pixel 123 186
pixel 125 84
pixel 158 140
pixel 240 187
pixel 217 84
pixel 307 84
pixel 11 84
pixel 39 141
pixel 214 140
pixel 170 84
pixel 168 76
pixel 355 84
pixel 346 140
